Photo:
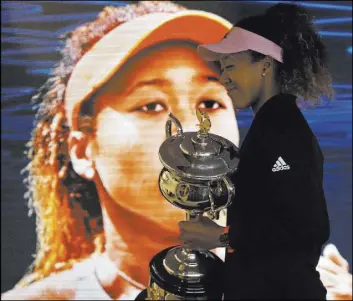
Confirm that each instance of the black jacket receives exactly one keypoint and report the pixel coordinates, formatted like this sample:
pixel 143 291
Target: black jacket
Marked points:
pixel 279 204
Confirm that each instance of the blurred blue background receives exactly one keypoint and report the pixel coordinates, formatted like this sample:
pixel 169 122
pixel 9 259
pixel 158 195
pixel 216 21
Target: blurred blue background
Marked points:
pixel 30 47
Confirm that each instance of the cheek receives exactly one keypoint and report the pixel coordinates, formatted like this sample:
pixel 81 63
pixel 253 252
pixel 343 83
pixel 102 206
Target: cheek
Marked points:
pixel 127 161
pixel 245 83
pixel 126 149
pixel 116 135
pixel 245 77
pixel 247 87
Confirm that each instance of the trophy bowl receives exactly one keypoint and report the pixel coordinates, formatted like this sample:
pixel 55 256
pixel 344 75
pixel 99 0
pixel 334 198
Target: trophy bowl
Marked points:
pixel 196 196
pixel 195 177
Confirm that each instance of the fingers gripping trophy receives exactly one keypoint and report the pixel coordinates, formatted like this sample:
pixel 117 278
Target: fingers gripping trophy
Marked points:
pixel 195 177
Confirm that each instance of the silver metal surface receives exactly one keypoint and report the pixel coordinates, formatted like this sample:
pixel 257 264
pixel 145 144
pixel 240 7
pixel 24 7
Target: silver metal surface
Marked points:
pixel 204 158
pixel 197 196
pixel 184 264
pixel 194 178
pixel 154 292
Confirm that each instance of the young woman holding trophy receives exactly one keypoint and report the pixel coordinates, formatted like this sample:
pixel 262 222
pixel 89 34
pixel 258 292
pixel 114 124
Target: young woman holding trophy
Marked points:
pixel 94 167
pixel 267 61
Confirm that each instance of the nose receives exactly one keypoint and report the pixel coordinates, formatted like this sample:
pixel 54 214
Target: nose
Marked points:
pixel 224 80
pixel 188 120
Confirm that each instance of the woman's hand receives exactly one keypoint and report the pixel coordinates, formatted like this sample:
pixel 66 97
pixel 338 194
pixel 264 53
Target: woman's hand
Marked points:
pixel 334 274
pixel 200 233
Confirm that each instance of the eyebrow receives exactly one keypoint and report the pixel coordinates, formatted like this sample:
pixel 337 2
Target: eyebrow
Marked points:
pixel 162 82
pixel 159 82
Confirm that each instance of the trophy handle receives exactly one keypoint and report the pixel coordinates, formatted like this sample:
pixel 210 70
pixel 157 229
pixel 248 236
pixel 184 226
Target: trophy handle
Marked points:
pixel 168 126
pixel 231 192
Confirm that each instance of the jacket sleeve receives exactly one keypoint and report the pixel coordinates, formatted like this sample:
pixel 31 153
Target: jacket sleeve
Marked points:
pixel 286 207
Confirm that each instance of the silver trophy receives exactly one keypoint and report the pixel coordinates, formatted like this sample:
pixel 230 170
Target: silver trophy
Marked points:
pixel 195 177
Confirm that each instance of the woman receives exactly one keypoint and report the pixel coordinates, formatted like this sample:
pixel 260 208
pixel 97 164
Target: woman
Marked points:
pixel 267 61
pixel 100 220
pixel 95 166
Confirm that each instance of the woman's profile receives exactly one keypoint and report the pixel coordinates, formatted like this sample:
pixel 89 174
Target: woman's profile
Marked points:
pixel 268 61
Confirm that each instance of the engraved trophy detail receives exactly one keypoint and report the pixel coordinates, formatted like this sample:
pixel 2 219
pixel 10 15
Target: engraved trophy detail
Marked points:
pixel 195 177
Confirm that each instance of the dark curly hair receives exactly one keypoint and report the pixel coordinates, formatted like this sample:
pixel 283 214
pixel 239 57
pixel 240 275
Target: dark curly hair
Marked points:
pixel 68 213
pixel 304 71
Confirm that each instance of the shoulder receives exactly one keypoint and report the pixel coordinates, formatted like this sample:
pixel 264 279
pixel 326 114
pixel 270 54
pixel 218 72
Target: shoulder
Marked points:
pixel 291 142
pixel 52 288
pixel 289 132
pixel 61 286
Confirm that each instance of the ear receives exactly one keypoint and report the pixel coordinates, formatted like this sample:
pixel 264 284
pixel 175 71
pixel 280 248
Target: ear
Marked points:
pixel 80 148
pixel 267 64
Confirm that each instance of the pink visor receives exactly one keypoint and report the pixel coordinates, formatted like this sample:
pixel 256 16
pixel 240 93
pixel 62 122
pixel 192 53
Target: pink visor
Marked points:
pixel 238 40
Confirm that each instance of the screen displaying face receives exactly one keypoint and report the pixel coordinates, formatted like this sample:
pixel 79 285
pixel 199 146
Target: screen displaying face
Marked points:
pixel 102 184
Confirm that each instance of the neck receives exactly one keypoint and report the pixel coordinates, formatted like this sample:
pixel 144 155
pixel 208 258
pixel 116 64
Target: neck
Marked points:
pixel 269 90
pixel 131 242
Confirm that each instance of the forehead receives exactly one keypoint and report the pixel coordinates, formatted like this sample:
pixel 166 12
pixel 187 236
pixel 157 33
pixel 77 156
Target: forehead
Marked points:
pixel 228 58
pixel 235 57
pixel 225 57
pixel 173 62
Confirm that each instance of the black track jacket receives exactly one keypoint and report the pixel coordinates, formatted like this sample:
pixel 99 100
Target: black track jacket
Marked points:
pixel 279 204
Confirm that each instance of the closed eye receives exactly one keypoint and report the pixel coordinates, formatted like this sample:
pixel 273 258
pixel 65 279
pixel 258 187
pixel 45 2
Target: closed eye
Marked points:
pixel 227 67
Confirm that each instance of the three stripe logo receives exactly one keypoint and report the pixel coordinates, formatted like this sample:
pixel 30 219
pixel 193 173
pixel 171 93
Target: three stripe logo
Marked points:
pixel 280 165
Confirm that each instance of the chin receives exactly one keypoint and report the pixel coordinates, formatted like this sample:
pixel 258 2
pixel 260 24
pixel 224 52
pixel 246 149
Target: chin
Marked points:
pixel 234 96
pixel 240 106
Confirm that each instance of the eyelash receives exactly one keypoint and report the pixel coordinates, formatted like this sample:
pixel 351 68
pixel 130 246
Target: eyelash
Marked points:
pixel 227 68
pixel 155 104
pixel 150 107
pixel 214 101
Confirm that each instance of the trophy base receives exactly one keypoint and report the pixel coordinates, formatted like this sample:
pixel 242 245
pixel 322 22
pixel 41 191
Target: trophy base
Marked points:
pixel 164 286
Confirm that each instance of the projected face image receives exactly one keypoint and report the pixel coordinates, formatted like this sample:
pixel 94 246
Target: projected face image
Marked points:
pixel 131 112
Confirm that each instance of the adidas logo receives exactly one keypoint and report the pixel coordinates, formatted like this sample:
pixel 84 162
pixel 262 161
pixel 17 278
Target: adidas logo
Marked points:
pixel 280 165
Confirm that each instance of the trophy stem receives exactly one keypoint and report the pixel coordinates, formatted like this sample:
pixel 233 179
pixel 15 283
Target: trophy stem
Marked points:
pixel 191 215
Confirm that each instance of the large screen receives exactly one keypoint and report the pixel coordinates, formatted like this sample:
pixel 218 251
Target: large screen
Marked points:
pixel 80 177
